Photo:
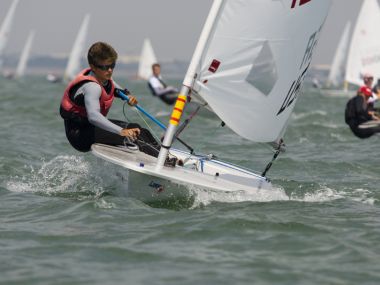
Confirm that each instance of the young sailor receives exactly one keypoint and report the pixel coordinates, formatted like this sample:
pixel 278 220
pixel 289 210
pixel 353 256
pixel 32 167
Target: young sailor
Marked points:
pixel 87 100
pixel 168 94
pixel 362 121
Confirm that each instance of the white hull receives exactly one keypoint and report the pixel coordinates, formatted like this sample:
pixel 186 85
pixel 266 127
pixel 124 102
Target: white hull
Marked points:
pixel 177 182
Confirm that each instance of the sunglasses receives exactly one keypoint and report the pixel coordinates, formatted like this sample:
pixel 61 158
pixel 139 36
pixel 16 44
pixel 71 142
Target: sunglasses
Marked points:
pixel 105 67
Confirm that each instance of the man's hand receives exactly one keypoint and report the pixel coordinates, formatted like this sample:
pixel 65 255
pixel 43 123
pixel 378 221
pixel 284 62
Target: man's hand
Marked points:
pixel 132 100
pixel 131 133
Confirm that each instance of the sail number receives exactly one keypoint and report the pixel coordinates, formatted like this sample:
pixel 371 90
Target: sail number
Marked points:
pixel 301 2
pixel 295 88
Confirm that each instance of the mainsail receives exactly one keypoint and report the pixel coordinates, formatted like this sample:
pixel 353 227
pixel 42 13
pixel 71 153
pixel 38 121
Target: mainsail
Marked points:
pixel 250 63
pixel 147 58
pixel 20 71
pixel 6 28
pixel 364 54
pixel 77 52
pixel 256 54
pixel 338 66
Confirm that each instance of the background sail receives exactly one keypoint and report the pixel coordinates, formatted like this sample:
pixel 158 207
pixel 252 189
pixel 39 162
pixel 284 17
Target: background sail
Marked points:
pixel 252 68
pixel 338 66
pixel 6 28
pixel 364 54
pixel 147 58
pixel 21 66
pixel 77 52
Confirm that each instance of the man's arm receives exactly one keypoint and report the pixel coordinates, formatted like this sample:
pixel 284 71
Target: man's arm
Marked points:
pixel 159 89
pixel 92 93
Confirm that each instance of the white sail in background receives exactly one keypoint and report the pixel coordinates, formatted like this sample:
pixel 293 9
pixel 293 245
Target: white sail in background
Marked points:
pixel 252 67
pixel 21 67
pixel 364 53
pixel 78 51
pixel 6 28
pixel 147 58
pixel 338 66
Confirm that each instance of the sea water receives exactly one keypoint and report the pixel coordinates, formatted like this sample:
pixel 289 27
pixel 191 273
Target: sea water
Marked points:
pixel 66 218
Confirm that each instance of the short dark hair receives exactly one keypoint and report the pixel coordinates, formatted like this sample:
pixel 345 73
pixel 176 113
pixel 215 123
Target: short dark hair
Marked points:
pixel 155 65
pixel 101 51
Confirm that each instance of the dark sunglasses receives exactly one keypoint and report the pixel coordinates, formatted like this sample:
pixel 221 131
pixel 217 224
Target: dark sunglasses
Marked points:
pixel 105 67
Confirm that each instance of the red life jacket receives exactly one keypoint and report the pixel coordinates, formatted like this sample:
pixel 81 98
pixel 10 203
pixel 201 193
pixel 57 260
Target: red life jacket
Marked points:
pixel 105 100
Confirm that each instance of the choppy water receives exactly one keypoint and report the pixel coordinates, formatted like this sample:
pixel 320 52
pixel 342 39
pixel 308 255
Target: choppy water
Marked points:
pixel 65 218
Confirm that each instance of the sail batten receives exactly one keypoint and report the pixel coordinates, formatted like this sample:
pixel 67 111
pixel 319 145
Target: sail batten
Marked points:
pixel 251 68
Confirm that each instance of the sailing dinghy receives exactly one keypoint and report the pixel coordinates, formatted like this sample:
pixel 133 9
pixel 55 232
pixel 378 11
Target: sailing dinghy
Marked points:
pixel 77 52
pixel 336 83
pixel 147 59
pixel 5 30
pixel 249 71
pixel 21 66
pixel 364 53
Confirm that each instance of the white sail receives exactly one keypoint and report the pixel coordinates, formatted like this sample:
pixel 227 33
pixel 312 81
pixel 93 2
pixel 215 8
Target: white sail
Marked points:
pixel 21 67
pixel 338 66
pixel 364 53
pixel 77 51
pixel 6 28
pixel 147 58
pixel 252 67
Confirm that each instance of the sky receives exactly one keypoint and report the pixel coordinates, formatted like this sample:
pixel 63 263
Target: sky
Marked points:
pixel 173 26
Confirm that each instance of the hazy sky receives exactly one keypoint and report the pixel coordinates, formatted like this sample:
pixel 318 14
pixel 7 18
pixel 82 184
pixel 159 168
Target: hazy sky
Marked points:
pixel 172 25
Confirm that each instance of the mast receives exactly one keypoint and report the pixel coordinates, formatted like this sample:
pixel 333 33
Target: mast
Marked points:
pixel 188 83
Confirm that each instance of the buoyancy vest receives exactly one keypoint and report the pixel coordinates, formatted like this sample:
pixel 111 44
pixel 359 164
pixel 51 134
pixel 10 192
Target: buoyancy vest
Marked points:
pixel 68 103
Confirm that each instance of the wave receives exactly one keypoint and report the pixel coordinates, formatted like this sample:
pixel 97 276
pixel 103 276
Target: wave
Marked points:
pixel 278 194
pixel 303 115
pixel 74 177
pixel 64 176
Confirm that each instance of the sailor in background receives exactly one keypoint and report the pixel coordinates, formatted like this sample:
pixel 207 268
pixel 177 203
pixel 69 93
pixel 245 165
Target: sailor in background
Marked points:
pixel 168 94
pixel 368 82
pixel 362 120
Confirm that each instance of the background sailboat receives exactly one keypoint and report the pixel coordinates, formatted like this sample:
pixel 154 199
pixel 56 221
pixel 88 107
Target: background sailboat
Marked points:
pixel 250 71
pixel 6 29
pixel 147 58
pixel 77 52
pixel 21 67
pixel 364 52
pixel 336 84
pixel 338 67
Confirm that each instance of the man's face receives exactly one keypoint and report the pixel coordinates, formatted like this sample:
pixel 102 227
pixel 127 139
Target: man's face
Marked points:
pixel 156 70
pixel 103 69
pixel 368 81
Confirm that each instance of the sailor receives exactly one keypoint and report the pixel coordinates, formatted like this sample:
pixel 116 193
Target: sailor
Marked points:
pixel 87 100
pixel 362 121
pixel 368 81
pixel 376 87
pixel 157 86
